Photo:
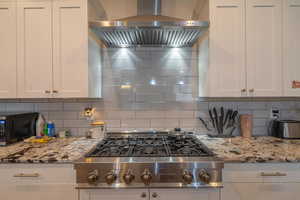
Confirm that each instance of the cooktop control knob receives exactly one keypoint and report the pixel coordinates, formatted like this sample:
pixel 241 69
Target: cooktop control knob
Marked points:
pixel 146 177
pixel 128 177
pixel 93 176
pixel 110 177
pixel 187 177
pixel 204 176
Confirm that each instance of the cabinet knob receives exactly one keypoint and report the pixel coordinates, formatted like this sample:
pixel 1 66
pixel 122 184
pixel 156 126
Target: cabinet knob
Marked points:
pixel 144 195
pixel 154 195
pixel 55 91
pixel 251 90
pixel 47 91
pixel 243 90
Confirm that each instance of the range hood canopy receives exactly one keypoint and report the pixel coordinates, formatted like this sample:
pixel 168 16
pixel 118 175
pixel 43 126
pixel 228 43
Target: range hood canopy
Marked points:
pixel 149 28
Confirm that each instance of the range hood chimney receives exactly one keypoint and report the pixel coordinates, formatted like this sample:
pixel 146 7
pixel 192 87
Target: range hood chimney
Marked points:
pixel 149 7
pixel 148 28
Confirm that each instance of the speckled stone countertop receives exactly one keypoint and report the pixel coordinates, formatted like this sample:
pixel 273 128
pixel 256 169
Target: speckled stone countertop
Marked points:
pixel 237 149
pixel 254 150
pixel 58 150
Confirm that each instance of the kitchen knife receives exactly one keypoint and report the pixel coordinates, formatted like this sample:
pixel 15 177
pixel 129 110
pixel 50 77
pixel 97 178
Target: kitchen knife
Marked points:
pixel 204 123
pixel 228 114
pixel 212 118
pixel 232 118
pixel 234 115
pixel 216 119
pixel 222 120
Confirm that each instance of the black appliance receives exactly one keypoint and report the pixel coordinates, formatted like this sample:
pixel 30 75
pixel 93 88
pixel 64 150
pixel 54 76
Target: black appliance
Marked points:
pixel 14 128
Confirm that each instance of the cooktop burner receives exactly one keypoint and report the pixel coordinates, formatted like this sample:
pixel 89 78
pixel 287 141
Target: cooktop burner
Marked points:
pixel 150 146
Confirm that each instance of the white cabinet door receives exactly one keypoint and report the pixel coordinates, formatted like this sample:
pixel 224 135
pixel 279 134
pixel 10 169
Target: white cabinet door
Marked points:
pixel 260 191
pixel 38 192
pixel 42 182
pixel 70 42
pixel 8 54
pixel 184 194
pixel 117 194
pixel 227 48
pixel 34 49
pixel 242 191
pixel 291 32
pixel 264 47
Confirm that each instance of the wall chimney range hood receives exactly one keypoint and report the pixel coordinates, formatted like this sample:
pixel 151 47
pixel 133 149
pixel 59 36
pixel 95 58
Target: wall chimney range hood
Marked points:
pixel 148 28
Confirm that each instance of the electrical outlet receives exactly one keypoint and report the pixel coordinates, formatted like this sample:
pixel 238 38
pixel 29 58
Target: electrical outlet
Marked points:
pixel 275 113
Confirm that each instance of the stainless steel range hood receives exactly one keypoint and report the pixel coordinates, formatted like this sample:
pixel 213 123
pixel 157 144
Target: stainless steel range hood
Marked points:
pixel 149 28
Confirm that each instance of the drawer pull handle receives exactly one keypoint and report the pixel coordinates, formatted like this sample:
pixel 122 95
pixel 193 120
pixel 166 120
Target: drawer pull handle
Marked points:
pixel 273 174
pixel 227 6
pixel 263 6
pixel 27 175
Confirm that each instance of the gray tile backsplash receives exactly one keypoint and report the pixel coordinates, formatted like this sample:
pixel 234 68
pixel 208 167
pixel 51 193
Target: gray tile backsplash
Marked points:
pixel 149 88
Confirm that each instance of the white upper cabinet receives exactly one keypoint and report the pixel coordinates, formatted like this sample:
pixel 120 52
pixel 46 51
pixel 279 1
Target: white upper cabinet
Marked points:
pixel 70 48
pixel 8 54
pixel 34 49
pixel 291 42
pixel 264 47
pixel 246 48
pixel 227 48
pixel 52 55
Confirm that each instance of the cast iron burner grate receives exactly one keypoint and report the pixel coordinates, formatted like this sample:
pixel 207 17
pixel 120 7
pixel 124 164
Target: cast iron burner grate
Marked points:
pixel 151 146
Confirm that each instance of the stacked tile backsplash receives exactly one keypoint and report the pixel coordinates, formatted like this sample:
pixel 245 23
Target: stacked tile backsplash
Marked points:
pixel 148 88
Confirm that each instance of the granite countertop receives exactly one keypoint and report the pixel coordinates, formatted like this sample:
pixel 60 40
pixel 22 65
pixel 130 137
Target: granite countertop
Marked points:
pixel 254 150
pixel 237 149
pixel 58 150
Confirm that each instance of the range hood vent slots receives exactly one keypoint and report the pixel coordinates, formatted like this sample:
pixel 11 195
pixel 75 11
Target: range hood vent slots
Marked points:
pixel 149 28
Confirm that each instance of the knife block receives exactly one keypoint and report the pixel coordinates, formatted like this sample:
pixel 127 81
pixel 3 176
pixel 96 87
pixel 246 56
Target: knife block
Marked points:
pixel 246 125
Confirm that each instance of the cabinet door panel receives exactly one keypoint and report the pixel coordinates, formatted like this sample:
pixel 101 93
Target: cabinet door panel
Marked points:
pixel 34 49
pixel 260 191
pixel 8 54
pixel 264 47
pixel 124 194
pixel 186 194
pixel 38 192
pixel 70 48
pixel 291 46
pixel 227 48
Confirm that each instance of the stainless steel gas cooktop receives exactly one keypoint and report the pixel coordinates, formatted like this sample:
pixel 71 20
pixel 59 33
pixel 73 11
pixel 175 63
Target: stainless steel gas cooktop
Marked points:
pixel 150 146
pixel 149 159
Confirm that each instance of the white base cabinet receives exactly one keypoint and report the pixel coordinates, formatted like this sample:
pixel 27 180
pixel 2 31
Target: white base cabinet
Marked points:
pixel 37 182
pixel 261 182
pixel 151 194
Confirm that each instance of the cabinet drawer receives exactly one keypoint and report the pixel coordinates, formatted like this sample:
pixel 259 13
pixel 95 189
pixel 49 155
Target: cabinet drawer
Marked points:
pixel 36 173
pixel 259 173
